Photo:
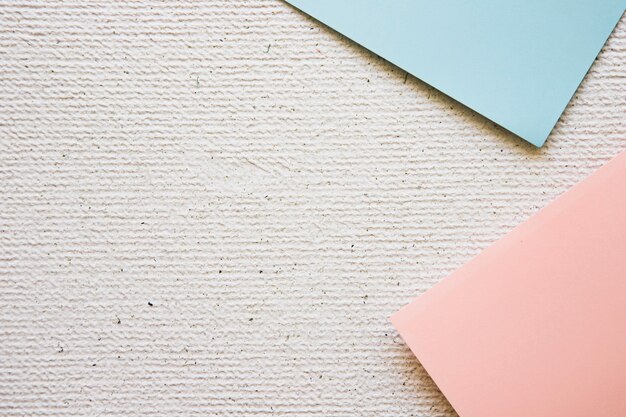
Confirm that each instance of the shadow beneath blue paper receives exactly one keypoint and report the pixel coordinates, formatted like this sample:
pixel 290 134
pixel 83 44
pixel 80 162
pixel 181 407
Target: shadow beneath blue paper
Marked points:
pixel 442 100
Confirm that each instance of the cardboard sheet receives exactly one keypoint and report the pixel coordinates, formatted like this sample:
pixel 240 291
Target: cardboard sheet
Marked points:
pixel 536 324
pixel 517 62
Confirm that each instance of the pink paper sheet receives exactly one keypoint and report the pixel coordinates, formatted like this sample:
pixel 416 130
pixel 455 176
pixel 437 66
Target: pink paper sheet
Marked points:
pixel 535 326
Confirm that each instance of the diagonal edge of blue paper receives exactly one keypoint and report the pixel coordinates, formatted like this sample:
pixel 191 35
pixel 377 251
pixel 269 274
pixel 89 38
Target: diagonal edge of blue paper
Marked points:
pixel 516 62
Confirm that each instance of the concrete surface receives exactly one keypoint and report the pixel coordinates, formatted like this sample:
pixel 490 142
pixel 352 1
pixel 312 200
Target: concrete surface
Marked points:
pixel 211 208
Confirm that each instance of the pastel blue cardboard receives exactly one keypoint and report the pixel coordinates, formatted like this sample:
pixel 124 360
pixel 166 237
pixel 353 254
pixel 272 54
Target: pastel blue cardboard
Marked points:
pixel 517 62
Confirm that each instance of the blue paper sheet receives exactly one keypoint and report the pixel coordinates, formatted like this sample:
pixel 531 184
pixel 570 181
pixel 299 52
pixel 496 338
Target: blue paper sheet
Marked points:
pixel 517 62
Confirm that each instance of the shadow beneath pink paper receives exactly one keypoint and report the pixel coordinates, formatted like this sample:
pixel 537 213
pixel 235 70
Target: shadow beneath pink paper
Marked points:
pixel 426 391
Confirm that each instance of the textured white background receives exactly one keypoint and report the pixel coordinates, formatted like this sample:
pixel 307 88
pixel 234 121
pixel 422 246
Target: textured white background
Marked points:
pixel 211 208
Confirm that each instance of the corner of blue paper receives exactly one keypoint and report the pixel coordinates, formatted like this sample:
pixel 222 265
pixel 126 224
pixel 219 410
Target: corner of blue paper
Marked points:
pixel 516 62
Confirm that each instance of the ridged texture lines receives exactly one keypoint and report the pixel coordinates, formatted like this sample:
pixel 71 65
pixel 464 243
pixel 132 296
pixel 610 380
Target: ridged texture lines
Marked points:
pixel 212 208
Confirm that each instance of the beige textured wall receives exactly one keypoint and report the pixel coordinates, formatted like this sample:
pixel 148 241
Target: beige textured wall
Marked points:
pixel 211 208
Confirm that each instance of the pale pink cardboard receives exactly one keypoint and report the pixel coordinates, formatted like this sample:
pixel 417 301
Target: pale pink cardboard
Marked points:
pixel 535 326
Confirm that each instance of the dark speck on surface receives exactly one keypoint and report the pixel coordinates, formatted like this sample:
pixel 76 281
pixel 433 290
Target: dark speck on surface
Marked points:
pixel 150 303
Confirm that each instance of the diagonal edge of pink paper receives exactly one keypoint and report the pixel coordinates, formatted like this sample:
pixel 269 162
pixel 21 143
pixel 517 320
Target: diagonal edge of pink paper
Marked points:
pixel 535 324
